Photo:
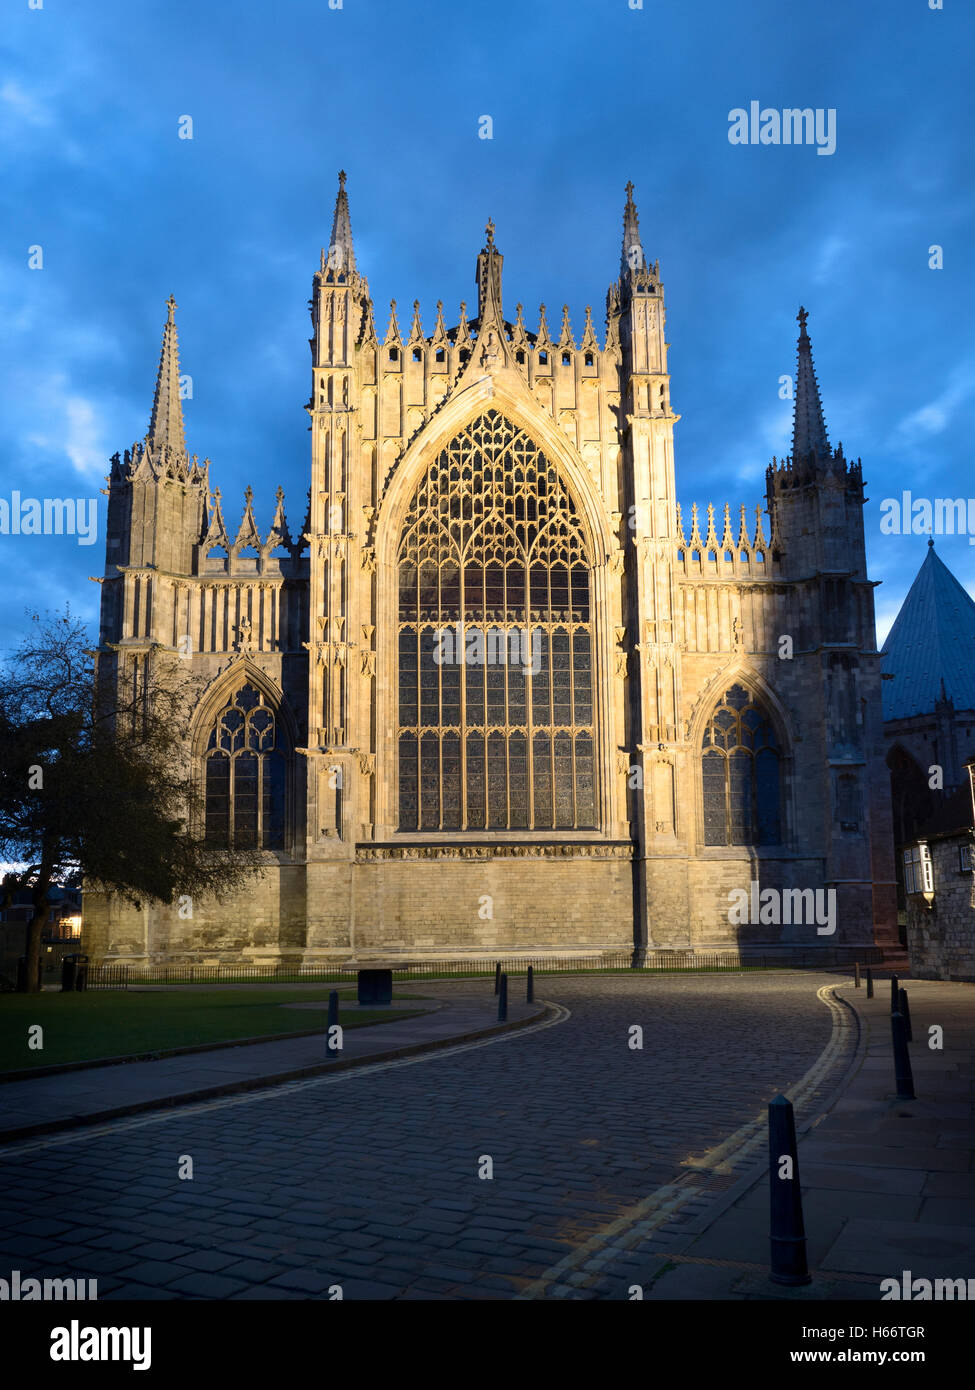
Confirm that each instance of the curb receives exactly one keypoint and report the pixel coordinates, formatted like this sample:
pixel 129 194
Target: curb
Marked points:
pixel 699 1224
pixel 260 1083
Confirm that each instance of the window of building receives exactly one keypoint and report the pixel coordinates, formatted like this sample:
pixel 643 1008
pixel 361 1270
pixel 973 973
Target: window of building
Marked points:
pixel 495 724
pixel 966 858
pixel 244 775
pixel 918 870
pixel 741 770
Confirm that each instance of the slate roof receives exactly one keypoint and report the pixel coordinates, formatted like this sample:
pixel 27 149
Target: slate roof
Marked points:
pixel 932 642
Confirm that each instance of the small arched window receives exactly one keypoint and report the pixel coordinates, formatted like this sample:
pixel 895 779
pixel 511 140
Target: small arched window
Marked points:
pixel 741 772
pixel 244 775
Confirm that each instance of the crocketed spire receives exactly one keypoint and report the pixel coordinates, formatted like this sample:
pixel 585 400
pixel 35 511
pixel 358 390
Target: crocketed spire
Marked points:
pixel 809 429
pixel 166 425
pixel 341 252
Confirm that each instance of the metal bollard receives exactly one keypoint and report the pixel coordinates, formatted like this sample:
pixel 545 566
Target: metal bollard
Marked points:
pixel 786 1230
pixel 894 996
pixel 497 978
pixel 333 1018
pixel 856 975
pixel 902 1058
pixel 869 983
pixel 530 991
pixel 503 999
pixel 906 1011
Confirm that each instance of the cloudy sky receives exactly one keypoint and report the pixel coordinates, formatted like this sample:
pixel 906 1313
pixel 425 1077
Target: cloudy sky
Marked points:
pixel 583 95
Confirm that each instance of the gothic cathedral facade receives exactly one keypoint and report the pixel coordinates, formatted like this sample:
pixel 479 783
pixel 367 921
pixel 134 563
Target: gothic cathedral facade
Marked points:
pixel 498 694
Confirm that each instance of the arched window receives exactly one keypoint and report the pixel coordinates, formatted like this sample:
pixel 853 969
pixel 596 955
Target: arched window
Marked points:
pixel 244 775
pixel 495 643
pixel 741 771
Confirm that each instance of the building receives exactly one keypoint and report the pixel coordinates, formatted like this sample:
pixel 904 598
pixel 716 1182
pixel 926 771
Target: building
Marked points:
pixel 497 693
pixel 929 725
pixel 60 934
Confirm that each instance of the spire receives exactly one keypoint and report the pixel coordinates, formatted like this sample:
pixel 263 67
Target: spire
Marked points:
pixel 809 429
pixel 341 253
pixel 489 264
pixel 166 425
pixel 632 257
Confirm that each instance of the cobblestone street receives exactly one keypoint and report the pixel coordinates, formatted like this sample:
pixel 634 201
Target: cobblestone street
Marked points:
pixel 369 1179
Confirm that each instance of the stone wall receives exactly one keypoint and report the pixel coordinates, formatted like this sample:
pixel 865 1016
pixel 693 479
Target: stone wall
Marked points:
pixel 941 937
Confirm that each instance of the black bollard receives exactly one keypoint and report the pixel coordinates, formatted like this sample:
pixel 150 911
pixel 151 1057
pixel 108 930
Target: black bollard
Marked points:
pixel 856 975
pixel 869 983
pixel 787 1233
pixel 906 1011
pixel 497 978
pixel 902 1058
pixel 503 999
pixel 333 1018
pixel 530 991
pixel 894 996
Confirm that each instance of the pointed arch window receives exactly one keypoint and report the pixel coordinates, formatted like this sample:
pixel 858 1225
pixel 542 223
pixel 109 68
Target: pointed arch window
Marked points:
pixel 245 774
pixel 741 765
pixel 495 723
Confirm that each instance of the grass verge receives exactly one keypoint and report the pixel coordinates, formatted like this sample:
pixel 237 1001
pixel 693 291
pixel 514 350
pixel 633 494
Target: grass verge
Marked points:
pixel 93 1024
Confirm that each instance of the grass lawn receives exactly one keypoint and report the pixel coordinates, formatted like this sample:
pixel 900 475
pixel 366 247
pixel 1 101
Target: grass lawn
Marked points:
pixel 109 1023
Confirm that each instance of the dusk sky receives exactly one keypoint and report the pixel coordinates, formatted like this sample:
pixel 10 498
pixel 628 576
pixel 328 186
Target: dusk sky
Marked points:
pixel 583 97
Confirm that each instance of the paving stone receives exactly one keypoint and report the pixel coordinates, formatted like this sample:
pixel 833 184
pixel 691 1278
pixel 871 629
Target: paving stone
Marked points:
pixel 204 1285
pixel 370 1182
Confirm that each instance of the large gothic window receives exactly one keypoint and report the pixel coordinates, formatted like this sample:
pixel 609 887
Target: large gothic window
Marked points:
pixel 741 771
pixel 244 775
pixel 495 643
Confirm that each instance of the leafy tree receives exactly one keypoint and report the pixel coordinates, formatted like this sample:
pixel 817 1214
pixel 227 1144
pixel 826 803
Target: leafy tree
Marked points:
pixel 95 782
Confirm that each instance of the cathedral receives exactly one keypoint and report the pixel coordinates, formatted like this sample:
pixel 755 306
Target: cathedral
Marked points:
pixel 497 693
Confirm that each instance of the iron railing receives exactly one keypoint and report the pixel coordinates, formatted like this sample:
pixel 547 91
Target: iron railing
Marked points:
pixel 117 975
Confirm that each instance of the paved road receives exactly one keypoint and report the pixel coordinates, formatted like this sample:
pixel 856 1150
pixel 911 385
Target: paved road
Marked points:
pixel 369 1180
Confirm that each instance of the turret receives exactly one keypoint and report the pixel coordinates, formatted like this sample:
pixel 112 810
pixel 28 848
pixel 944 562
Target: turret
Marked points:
pixel 814 495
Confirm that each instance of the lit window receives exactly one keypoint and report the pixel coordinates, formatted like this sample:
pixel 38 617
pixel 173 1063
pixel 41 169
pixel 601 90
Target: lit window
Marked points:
pixel 918 872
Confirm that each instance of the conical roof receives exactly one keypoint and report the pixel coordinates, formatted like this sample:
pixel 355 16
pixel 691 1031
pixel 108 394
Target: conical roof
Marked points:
pixel 930 651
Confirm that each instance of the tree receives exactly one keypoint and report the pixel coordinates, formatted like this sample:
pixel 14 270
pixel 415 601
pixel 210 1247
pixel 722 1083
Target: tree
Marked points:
pixel 95 782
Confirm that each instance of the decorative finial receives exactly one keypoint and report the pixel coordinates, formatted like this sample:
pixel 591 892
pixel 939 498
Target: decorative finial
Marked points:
pixel 930 543
pixel 172 306
pixel 629 191
pixel 490 231
pixel 801 318
pixel 341 178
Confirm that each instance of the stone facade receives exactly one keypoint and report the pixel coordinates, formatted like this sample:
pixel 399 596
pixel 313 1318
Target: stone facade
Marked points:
pixel 941 923
pixel 772 602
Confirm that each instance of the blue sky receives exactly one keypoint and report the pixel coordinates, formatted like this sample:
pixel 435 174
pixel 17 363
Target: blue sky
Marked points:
pixel 583 96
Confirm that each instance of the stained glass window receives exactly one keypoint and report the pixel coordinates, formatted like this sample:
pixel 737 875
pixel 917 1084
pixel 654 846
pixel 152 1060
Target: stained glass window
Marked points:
pixel 495 643
pixel 741 774
pixel 245 775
